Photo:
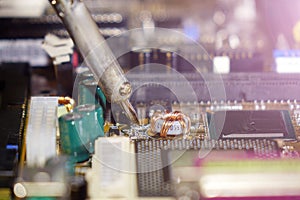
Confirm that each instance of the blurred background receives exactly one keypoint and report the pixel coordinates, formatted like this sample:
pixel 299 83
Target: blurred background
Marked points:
pixel 238 35
pixel 251 33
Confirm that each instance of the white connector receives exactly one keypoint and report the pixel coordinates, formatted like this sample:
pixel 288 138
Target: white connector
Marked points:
pixel 41 131
pixel 113 173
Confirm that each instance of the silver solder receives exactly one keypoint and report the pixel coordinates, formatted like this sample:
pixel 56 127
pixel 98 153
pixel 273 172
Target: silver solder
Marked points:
pixel 96 53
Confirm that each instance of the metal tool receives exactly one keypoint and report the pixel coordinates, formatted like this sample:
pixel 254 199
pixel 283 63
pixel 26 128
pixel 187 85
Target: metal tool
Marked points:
pixel 96 53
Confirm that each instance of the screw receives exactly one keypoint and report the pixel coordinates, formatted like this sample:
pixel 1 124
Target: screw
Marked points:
pixel 125 89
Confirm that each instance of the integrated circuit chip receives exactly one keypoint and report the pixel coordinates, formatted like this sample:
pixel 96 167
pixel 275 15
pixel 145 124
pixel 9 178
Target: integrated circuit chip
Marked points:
pixel 273 124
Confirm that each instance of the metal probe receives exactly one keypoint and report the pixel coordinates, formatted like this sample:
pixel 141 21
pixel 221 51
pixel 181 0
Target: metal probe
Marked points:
pixel 97 54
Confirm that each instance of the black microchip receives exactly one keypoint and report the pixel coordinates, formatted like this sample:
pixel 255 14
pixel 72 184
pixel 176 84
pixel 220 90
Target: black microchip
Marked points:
pixel 273 124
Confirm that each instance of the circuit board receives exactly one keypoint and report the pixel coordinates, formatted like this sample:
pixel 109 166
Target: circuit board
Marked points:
pixel 157 183
pixel 212 84
pixel 153 154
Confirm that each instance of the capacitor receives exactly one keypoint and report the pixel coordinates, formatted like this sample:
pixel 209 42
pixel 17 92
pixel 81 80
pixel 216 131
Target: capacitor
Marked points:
pixel 92 124
pixel 113 131
pixel 85 75
pixel 90 93
pixel 82 75
pixel 71 137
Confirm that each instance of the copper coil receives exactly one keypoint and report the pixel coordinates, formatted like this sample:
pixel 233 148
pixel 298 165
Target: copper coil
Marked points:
pixel 168 121
pixel 156 116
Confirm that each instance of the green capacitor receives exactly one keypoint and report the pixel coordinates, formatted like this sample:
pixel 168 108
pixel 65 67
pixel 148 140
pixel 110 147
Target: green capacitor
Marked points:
pixel 72 137
pixel 41 198
pixel 101 97
pixel 86 75
pixel 81 76
pixel 87 91
pixel 90 93
pixel 92 123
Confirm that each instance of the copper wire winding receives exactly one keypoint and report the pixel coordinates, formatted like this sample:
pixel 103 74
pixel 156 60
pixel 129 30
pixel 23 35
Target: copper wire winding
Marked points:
pixel 168 120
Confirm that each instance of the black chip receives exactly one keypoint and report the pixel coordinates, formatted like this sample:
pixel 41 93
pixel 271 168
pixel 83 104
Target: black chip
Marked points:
pixel 273 124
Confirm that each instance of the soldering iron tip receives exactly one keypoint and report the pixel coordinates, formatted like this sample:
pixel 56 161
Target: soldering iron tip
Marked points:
pixel 130 112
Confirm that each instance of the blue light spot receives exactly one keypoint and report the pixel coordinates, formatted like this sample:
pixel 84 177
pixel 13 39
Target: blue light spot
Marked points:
pixel 11 146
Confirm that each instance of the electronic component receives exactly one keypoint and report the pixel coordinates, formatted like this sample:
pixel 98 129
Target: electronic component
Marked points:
pixel 92 124
pixel 282 183
pixel 141 57
pixel 87 92
pixel 65 105
pixel 82 73
pixel 58 49
pixel 170 124
pixel 50 181
pixel 152 162
pixel 72 139
pixel 90 92
pixel 238 86
pixel 251 124
pixel 14 92
pixel 113 131
pixel 41 130
pixel 143 166
pixel 191 152
pixel 23 51
pixel 168 56
pixel 220 171
pixel 287 61
pixel 112 178
pixel 79 130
